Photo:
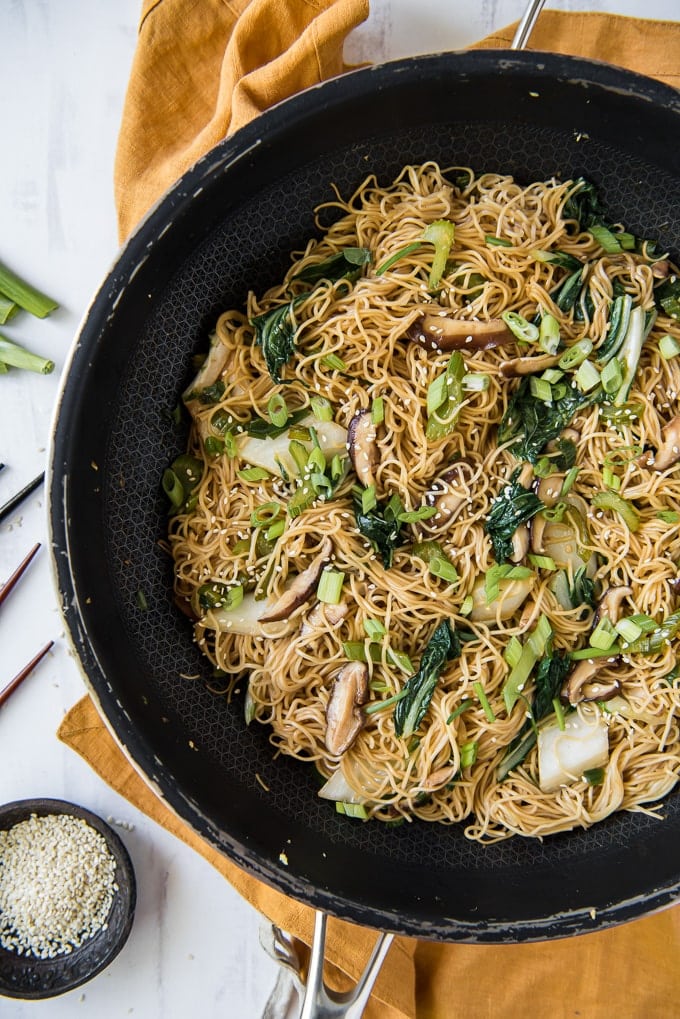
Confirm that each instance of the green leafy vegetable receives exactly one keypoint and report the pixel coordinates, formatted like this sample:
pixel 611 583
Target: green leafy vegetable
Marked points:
pixel 418 690
pixel 534 423
pixel 344 264
pixel 382 527
pixel 583 205
pixel 275 333
pixel 561 258
pixel 667 297
pixel 445 399
pixel 260 428
pixel 180 481
pixel 514 506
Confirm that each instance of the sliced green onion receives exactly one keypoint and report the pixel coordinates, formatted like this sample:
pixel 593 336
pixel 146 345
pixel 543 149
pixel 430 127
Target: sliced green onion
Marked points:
pixel 513 651
pixel 628 630
pixel 414 516
pixel 484 701
pixel 594 776
pixel 556 513
pixel 467 606
pixel 468 754
pixel 497 242
pixel 476 382
pixel 441 234
pixel 265 514
pixel 333 362
pixel 16 356
pixel 276 530
pixel 540 389
pixel 542 562
pixel 337 467
pixel 519 326
pixel 378 411
pixel 252 473
pixel 559 713
pixel 543 467
pixel 645 622
pixel 355 651
pixel 587 376
pixel 604 634
pixel 357 810
pixel 569 479
pixel 401 660
pixel 549 334
pixel 594 652
pixel 610 480
pixel 533 649
pixel 213 446
pixel 444 569
pixel 408 249
pixel 316 461
pixel 612 376
pixel 321 484
pixel 495 574
pixel 552 375
pixel 668 516
pixel 387 703
pixel 23 294
pixel 321 408
pixel 462 707
pixel 437 392
pixel 668 347
pixel 574 355
pixel 299 454
pixel 329 589
pixel 230 445
pixel 374 629
pixel 612 501
pixel 277 410
pixel 299 433
pixel 368 499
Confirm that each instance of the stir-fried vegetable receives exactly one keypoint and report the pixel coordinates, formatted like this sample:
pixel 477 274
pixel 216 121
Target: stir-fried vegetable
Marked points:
pixel 416 695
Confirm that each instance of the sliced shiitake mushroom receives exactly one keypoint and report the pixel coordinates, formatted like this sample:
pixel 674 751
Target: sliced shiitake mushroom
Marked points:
pixel 440 332
pixel 668 452
pixel 581 683
pixel 609 605
pixel 300 588
pixel 362 444
pixel 528 365
pixel 344 721
pixel 323 615
pixel 447 494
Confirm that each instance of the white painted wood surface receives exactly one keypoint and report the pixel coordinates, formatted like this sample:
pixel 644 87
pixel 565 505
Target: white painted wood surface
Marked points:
pixel 194 946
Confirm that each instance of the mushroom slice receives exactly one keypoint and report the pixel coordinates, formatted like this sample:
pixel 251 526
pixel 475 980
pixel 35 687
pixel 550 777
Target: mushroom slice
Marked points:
pixel 324 615
pixel 520 543
pixel 447 494
pixel 609 606
pixel 437 779
pixel 668 452
pixel 344 721
pixel 300 589
pixel 581 686
pixel 439 332
pixel 548 489
pixel 362 444
pixel 528 365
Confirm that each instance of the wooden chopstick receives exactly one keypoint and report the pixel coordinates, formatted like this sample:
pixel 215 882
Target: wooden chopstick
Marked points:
pixel 18 573
pixel 21 676
pixel 12 503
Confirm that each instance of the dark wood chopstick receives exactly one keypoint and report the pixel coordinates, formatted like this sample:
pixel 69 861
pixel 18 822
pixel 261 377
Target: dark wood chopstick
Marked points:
pixel 21 676
pixel 18 573
pixel 17 499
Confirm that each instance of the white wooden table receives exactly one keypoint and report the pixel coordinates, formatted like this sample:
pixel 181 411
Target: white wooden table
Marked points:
pixel 194 947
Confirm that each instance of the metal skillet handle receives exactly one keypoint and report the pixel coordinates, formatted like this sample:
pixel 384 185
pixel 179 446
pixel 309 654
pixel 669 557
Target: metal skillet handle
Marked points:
pixel 319 1002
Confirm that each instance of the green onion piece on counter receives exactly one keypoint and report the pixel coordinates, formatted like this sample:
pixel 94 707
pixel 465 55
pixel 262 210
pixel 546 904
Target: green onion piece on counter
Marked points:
pixel 476 382
pixel 23 294
pixel 329 589
pixel 587 376
pixel 612 376
pixel 468 754
pixel 252 473
pixel 497 242
pixel 520 327
pixel 612 501
pixel 549 334
pixel 8 309
pixel 277 410
pixel 669 347
pixel 574 355
pixel 374 629
pixel 16 356
pixel 484 701
pixel 442 568
pixel 321 408
pixel 462 707
pixel 378 411
pixel 265 515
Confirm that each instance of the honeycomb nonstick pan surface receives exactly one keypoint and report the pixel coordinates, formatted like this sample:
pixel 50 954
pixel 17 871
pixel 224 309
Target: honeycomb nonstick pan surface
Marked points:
pixel 228 226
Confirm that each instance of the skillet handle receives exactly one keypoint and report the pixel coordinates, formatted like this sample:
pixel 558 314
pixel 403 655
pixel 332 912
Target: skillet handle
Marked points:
pixel 321 1003
pixel 526 24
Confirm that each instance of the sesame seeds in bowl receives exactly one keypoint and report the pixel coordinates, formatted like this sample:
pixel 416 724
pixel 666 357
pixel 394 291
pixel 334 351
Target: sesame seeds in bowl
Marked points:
pixel 67 897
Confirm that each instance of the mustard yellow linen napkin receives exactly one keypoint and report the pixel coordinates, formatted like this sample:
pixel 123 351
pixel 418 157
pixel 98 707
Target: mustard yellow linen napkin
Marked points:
pixel 200 72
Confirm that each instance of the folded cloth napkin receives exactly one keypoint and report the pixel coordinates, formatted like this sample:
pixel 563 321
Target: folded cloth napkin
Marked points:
pixel 201 71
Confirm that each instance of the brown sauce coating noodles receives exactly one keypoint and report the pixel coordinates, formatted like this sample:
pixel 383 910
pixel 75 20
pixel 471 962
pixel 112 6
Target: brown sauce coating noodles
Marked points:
pixel 291 677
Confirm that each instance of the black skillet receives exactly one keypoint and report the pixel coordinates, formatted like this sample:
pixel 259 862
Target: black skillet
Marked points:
pixel 227 226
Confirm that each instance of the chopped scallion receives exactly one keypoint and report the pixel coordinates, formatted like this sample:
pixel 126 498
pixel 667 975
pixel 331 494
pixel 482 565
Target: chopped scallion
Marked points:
pixel 444 569
pixel 468 754
pixel 476 382
pixel 669 347
pixel 604 634
pixel 368 499
pixel 594 652
pixel 549 334
pixel 484 702
pixel 519 327
pixel 610 480
pixel 374 629
pixel 265 514
pixel 251 473
pixel 462 707
pixel 577 353
pixel 587 376
pixel 321 408
pixel 276 530
pixel 467 606
pixel 540 389
pixel 357 810
pixel 612 376
pixel 414 516
pixel 333 362
pixel 628 630
pixel 378 411
pixel 668 516
pixel 612 501
pixel 329 589
pixel 277 410
pixel 497 242
pixel 542 562
pixel 16 356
